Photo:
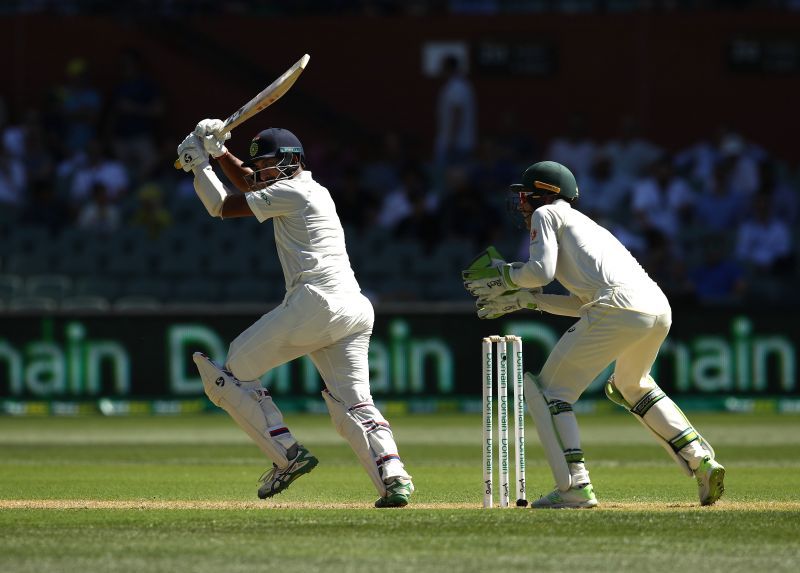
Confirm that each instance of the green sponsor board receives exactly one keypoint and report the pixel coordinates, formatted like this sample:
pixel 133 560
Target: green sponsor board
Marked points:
pixel 412 356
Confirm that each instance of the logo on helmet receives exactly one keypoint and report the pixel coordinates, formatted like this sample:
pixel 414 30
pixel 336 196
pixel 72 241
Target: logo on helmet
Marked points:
pixel 254 149
pixel 547 186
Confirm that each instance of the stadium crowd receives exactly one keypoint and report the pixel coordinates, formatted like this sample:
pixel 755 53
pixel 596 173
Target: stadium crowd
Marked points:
pixel 94 215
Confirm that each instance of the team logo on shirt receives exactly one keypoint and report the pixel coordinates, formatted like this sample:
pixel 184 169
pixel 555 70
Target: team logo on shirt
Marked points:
pixel 264 196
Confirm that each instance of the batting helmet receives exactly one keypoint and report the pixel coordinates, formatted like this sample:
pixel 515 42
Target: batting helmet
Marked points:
pixel 547 178
pixel 274 142
pixel 278 143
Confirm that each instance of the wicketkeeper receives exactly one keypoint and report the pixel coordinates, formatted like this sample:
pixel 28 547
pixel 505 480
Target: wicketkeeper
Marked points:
pixel 624 317
pixel 324 315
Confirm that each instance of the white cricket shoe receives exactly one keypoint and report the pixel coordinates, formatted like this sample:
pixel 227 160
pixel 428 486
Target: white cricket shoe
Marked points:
pixel 276 480
pixel 709 476
pixel 581 497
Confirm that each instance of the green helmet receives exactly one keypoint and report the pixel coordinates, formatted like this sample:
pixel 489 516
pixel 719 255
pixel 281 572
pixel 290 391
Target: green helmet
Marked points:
pixel 547 178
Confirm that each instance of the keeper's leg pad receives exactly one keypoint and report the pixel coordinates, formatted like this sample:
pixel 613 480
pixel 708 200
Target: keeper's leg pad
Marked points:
pixel 354 432
pixel 225 391
pixel 662 417
pixel 548 432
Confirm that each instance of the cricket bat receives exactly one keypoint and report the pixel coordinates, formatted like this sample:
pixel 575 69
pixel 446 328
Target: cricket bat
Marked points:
pixel 263 99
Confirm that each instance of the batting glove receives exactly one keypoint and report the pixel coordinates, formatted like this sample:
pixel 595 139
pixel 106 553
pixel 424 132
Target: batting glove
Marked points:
pixel 214 143
pixel 191 153
pixel 489 282
pixel 505 303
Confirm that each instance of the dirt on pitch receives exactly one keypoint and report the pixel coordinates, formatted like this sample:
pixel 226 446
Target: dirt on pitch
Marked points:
pixel 153 504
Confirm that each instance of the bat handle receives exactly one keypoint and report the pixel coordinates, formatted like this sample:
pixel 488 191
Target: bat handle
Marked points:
pixel 177 164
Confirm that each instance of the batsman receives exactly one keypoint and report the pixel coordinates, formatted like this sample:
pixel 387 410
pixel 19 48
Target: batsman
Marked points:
pixel 624 318
pixel 324 315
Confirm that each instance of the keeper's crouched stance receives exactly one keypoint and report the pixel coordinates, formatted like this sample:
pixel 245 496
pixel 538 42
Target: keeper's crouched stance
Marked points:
pixel 624 317
pixel 323 316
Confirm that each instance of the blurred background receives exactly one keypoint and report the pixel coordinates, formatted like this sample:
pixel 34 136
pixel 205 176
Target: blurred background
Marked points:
pixel 678 118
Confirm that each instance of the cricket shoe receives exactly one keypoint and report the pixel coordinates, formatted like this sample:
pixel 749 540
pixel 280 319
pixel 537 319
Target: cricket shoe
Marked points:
pixel 397 493
pixel 709 476
pixel 581 497
pixel 278 479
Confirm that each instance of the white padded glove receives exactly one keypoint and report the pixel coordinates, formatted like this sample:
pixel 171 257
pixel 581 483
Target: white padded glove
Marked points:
pixel 214 143
pixel 498 306
pixel 191 153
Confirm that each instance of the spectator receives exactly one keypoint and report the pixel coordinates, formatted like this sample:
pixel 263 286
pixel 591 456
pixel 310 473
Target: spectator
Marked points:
pixel 697 161
pixel 422 223
pixel 38 158
pixel 456 115
pixel 90 167
pixel 467 214
pixel 357 207
pixel 663 261
pixel 136 109
pixel 99 214
pixel 495 165
pixel 631 153
pixel 79 105
pixel 742 161
pixel 397 204
pixel 783 196
pixel 663 200
pixel 718 209
pixel 718 279
pixel 574 150
pixel 13 136
pixel 763 241
pixel 150 213
pixel 383 171
pixel 13 181
pixel 609 189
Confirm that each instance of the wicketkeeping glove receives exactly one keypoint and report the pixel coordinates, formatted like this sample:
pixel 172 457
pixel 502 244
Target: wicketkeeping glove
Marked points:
pixel 486 258
pixel 505 303
pixel 191 153
pixel 208 132
pixel 489 282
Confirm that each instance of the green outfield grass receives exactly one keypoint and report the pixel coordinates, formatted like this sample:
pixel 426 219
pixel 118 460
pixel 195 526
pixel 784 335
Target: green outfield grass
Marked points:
pixel 178 494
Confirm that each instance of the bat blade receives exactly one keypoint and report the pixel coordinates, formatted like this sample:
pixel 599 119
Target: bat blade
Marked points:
pixel 269 95
pixel 265 98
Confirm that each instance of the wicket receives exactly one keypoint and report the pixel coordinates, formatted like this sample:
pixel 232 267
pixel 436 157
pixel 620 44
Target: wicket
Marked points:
pixel 499 345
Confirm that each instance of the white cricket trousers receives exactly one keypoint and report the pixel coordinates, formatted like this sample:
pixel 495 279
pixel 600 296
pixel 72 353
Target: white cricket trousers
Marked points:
pixel 334 331
pixel 602 335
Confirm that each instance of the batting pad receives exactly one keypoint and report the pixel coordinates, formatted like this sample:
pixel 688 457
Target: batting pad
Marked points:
pixel 352 431
pixel 548 434
pixel 613 394
pixel 242 405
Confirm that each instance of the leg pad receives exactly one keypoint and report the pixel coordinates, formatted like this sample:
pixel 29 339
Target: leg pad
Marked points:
pixel 548 433
pixel 225 391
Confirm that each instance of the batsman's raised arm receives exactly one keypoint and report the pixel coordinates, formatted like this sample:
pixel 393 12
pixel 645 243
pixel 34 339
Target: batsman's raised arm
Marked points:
pixel 209 131
pixel 219 200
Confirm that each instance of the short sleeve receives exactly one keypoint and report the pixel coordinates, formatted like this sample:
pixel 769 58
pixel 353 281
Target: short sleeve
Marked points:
pixel 274 201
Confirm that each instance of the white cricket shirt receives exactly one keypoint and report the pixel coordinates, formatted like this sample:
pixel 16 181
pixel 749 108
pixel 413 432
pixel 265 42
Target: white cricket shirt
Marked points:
pixel 587 260
pixel 308 234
